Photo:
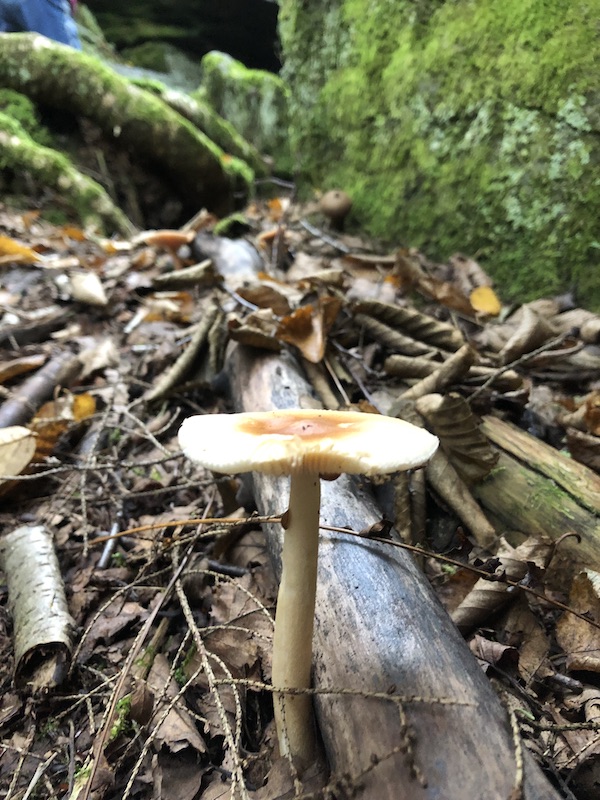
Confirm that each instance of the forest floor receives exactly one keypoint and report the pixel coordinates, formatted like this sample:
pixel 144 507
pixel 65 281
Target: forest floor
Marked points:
pixel 160 669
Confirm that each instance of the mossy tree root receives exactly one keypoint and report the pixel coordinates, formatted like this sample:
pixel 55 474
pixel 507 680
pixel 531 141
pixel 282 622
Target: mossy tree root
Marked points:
pixel 91 202
pixel 67 79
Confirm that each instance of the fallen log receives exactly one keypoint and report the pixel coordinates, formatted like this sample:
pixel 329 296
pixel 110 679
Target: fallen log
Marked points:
pixel 539 491
pixel 379 630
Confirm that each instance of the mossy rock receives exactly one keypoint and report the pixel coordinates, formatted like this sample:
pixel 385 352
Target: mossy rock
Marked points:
pixel 254 101
pixel 469 125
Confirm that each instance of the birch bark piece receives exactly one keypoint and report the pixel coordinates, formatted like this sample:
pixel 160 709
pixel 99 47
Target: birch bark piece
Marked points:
pixel 379 628
pixel 38 606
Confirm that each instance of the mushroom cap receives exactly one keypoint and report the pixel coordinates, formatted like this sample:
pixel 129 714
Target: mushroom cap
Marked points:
pixel 326 442
pixel 335 204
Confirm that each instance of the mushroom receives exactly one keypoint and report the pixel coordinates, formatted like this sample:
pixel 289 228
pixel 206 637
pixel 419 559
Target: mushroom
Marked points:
pixel 336 204
pixel 307 445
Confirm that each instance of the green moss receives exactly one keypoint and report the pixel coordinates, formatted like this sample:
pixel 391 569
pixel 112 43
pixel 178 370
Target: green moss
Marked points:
pixel 469 125
pixel 22 110
pixel 233 226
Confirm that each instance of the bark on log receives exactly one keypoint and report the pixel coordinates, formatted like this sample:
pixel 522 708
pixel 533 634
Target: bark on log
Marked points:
pixel 379 628
pixel 537 490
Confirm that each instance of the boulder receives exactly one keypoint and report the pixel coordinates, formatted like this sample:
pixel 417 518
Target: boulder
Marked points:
pixel 468 125
pixel 254 101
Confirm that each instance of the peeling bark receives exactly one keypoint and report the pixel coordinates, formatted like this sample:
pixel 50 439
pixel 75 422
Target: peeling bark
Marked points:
pixel 42 623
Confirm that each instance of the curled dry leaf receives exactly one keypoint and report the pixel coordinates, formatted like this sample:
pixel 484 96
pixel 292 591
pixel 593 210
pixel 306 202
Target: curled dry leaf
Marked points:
pixel 488 596
pixel 265 296
pixel 494 654
pixel 19 366
pixel 449 485
pixel 525 631
pixel 532 332
pixel 573 363
pixel 420 326
pixel 446 294
pixel 579 639
pixel 590 331
pixel 202 274
pixel 466 273
pixel 451 371
pixel 460 436
pixel 161 306
pixel 573 319
pixel 393 340
pixel 308 326
pixel 578 749
pixel 256 330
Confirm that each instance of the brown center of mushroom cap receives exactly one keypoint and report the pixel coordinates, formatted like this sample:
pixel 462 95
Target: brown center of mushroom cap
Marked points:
pixel 306 428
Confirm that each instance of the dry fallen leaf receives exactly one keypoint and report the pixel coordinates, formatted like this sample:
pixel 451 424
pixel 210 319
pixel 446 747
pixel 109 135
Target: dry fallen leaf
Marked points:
pixel 56 417
pixel 178 730
pixel 487 596
pixel 579 640
pixel 485 300
pixel 86 287
pixel 525 631
pixel 494 654
pixel 265 296
pixel 468 449
pixel 531 332
pixel 19 366
pixel 13 251
pixel 308 326
pixel 256 330
pixel 17 448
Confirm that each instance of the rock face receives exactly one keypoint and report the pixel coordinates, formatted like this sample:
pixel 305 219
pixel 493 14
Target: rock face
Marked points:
pixel 467 125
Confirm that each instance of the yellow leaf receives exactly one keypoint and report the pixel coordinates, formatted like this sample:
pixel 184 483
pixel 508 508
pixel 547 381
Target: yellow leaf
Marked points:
pixel 12 250
pixel 485 300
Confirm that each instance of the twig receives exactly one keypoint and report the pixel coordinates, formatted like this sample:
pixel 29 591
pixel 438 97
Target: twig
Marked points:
pixel 59 371
pixel 517 362
pixel 324 237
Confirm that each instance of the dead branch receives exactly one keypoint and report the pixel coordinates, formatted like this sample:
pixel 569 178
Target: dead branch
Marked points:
pixel 59 371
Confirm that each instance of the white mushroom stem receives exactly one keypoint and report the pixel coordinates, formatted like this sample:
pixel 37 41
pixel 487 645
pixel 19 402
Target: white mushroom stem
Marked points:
pixel 294 621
